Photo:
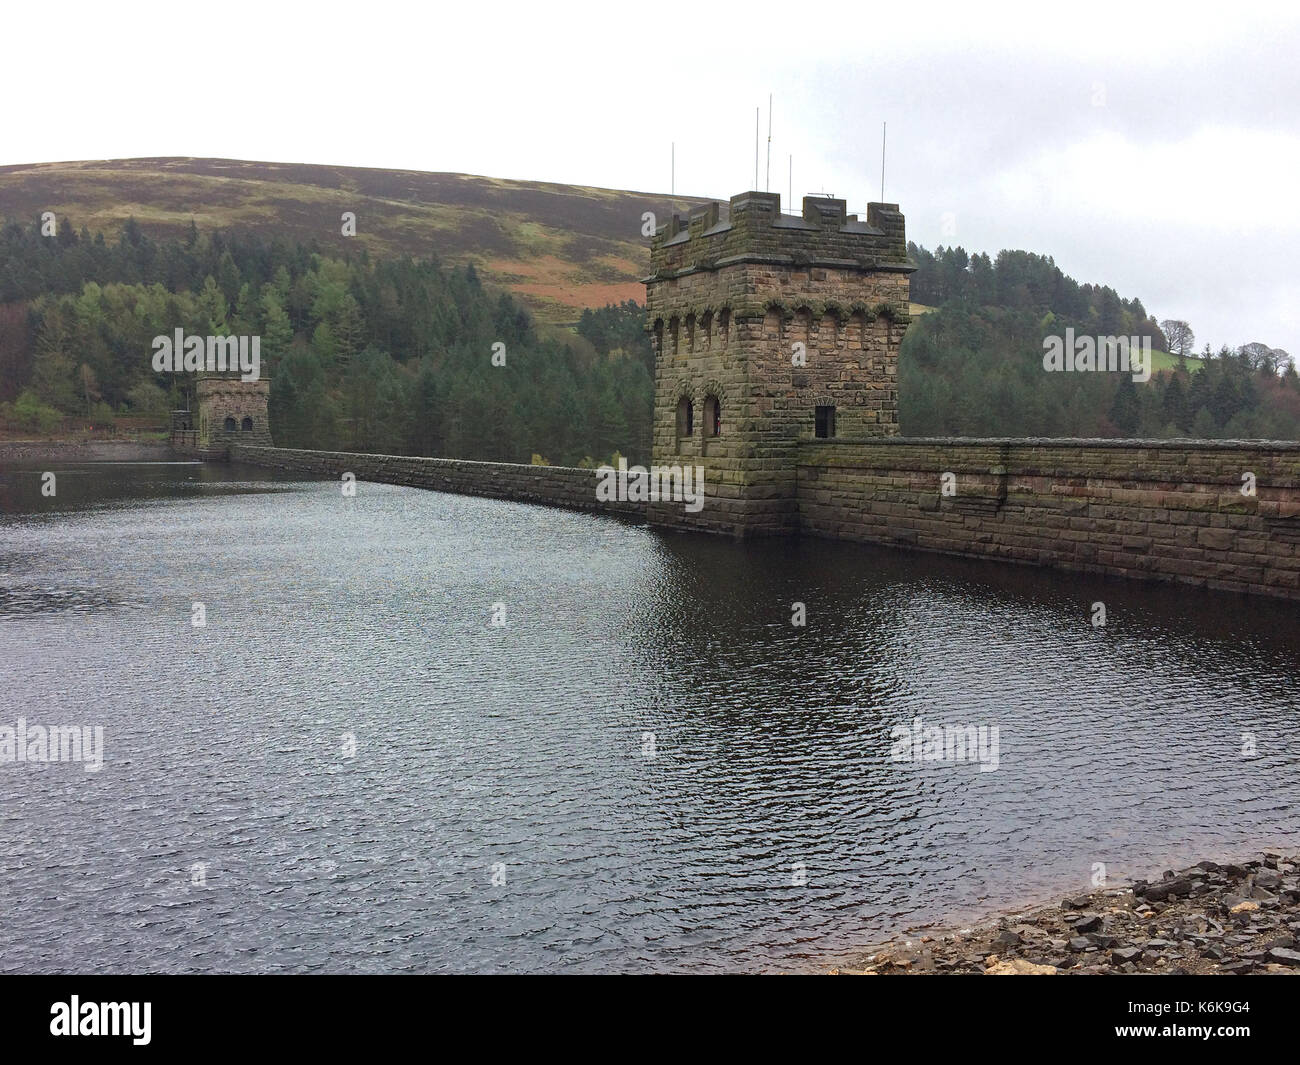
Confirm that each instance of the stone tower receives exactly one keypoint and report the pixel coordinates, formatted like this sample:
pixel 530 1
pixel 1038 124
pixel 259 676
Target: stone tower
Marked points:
pixel 769 329
pixel 232 411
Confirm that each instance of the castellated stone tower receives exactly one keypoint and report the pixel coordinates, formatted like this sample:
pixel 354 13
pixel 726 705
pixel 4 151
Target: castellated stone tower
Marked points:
pixel 232 411
pixel 769 329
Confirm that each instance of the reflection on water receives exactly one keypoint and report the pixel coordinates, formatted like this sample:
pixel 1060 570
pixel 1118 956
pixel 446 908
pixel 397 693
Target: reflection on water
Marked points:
pixel 638 771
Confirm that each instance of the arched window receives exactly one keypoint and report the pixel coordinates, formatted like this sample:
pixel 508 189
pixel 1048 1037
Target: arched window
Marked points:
pixel 685 418
pixel 229 425
pixel 712 416
pixel 247 425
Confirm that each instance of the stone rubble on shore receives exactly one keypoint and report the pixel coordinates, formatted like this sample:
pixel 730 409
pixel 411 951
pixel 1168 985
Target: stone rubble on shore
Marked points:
pixel 1211 918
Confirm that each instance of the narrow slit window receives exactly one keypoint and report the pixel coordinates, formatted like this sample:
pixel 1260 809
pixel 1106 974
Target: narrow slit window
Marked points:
pixel 685 417
pixel 824 424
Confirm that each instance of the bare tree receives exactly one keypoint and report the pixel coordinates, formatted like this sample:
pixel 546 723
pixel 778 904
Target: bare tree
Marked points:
pixel 1181 339
pixel 1260 356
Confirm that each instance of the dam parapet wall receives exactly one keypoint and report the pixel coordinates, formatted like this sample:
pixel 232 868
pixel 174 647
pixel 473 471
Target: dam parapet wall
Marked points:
pixel 557 486
pixel 1218 514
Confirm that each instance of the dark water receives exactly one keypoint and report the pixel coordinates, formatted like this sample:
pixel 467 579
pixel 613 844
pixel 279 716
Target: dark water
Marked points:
pixel 517 753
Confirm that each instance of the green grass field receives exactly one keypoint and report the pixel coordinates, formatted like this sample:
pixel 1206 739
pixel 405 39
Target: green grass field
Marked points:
pixel 1162 360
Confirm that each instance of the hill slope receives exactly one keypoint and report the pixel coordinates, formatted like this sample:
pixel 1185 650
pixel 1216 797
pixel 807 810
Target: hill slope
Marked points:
pixel 559 247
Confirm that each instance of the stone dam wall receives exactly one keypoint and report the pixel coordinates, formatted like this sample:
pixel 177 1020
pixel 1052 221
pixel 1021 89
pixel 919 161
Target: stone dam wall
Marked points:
pixel 29 451
pixel 559 486
pixel 1157 510
pixel 1151 510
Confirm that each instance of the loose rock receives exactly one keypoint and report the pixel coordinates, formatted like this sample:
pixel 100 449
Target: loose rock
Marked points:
pixel 1231 918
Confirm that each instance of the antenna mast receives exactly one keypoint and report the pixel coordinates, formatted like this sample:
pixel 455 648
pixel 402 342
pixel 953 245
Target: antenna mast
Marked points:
pixel 883 127
pixel 767 186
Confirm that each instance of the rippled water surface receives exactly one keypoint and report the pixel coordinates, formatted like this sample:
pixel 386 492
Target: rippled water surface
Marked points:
pixel 502 811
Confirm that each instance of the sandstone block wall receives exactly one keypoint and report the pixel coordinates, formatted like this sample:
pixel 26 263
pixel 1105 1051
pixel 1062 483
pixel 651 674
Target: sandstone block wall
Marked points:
pixel 559 486
pixel 30 451
pixel 1160 510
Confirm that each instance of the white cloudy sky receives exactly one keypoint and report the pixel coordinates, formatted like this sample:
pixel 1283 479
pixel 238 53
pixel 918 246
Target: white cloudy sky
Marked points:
pixel 1154 147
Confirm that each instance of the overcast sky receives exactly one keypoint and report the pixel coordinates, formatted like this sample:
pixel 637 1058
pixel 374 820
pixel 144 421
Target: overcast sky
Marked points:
pixel 1155 148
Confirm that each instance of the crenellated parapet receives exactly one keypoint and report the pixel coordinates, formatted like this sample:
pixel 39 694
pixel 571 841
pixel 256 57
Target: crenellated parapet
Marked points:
pixel 751 230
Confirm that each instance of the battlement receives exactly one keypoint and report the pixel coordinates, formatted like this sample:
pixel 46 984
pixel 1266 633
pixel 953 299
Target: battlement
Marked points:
pixel 231 382
pixel 752 229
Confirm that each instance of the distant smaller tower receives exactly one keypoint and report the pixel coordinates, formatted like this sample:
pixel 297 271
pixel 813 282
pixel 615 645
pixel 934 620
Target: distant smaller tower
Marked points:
pixel 232 411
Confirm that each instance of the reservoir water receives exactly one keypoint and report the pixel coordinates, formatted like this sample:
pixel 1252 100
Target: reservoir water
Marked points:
pixel 424 732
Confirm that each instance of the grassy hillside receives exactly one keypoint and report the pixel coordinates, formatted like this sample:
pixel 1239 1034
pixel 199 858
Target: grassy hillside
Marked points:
pixel 1162 360
pixel 558 247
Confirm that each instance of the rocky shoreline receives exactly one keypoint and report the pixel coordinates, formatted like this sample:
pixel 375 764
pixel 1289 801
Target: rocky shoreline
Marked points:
pixel 1232 918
